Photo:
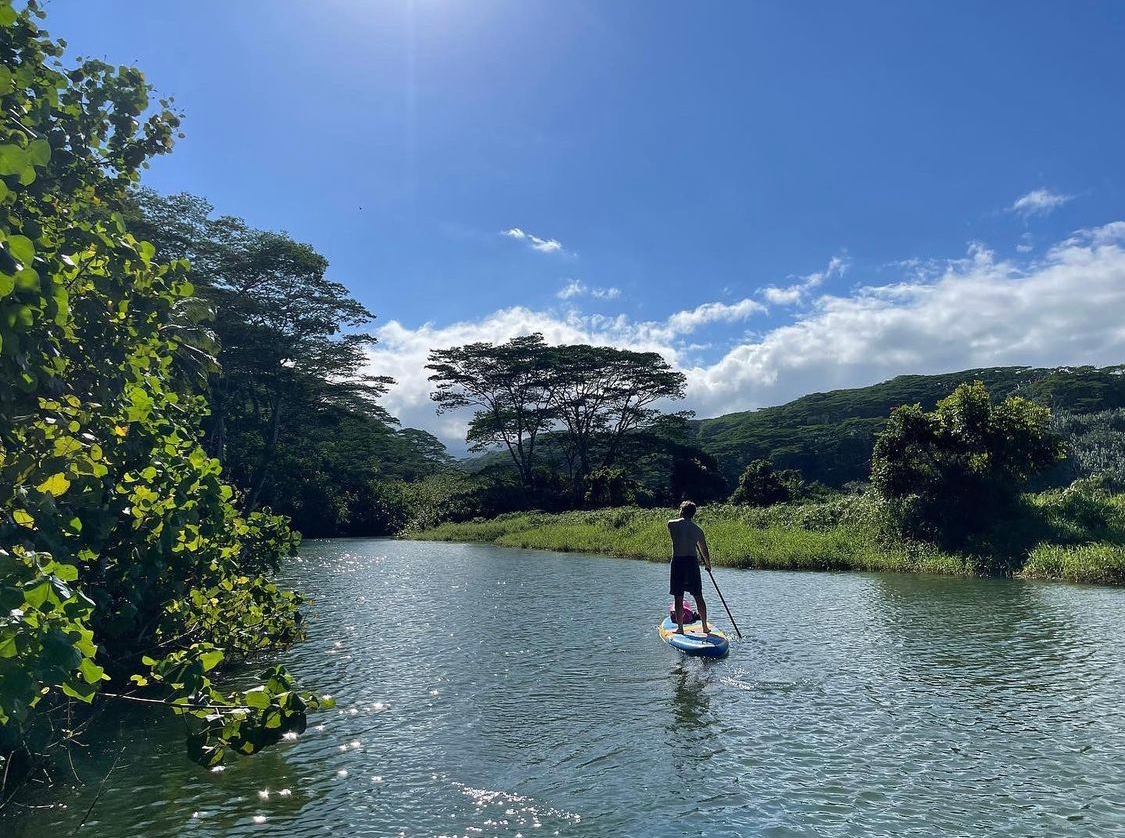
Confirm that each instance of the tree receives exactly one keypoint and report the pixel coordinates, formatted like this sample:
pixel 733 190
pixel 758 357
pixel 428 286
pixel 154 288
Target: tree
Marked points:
pixel 335 477
pixel 666 461
pixel 590 400
pixel 601 395
pixel 951 474
pixel 289 345
pixel 122 557
pixel 760 485
pixel 511 386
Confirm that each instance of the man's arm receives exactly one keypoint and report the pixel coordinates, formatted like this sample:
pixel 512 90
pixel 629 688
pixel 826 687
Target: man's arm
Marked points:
pixel 704 551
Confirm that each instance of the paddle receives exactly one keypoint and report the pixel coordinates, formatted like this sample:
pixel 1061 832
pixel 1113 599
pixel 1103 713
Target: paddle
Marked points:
pixel 722 599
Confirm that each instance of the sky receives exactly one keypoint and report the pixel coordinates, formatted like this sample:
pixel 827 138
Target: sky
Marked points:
pixel 780 198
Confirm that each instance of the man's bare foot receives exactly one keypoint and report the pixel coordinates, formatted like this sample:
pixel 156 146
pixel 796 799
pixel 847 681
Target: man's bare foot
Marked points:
pixel 680 630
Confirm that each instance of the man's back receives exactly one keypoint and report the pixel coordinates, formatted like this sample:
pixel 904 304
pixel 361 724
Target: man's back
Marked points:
pixel 686 535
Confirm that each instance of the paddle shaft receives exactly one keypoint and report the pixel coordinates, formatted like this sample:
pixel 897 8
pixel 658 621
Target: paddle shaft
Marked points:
pixel 724 601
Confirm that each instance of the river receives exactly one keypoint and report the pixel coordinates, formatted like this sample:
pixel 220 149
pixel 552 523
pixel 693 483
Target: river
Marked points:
pixel 521 693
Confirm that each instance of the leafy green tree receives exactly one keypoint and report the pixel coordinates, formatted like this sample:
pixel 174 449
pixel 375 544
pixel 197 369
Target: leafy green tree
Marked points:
pixel 668 465
pixel 592 401
pixel 951 474
pixel 291 358
pixel 1095 446
pixel 510 387
pixel 761 485
pixel 339 475
pixel 610 487
pixel 601 395
pixel 123 562
pixel 288 340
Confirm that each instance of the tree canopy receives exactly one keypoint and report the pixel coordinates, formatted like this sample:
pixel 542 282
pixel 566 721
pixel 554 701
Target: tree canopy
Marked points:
pixel 511 388
pixel 952 473
pixel 591 401
pixel 124 562
pixel 294 412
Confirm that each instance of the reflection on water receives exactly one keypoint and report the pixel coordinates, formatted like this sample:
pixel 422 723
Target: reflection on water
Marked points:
pixel 491 692
pixel 690 708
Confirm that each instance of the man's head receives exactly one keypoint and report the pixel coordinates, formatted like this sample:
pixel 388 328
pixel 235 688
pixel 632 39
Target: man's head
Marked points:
pixel 687 509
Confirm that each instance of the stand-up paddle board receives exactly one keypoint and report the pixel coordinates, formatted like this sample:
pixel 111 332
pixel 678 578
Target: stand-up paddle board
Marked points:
pixel 694 641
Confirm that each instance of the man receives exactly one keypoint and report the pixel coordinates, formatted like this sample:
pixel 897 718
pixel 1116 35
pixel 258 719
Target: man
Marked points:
pixel 687 541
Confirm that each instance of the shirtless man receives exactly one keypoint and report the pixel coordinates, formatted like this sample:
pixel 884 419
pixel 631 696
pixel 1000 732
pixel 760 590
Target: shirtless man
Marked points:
pixel 687 541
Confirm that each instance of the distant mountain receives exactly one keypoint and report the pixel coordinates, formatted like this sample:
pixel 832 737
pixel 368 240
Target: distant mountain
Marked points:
pixel 830 436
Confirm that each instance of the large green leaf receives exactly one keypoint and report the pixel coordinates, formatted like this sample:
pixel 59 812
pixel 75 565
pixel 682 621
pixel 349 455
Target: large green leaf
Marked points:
pixel 56 485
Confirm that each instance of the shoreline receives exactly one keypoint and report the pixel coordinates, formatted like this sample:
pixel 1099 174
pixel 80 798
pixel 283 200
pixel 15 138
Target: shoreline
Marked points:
pixel 839 535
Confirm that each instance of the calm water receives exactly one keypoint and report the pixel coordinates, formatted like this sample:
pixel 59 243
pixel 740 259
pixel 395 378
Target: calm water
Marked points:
pixel 497 692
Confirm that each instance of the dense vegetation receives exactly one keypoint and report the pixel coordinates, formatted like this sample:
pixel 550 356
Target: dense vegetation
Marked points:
pixel 946 495
pixel 817 444
pixel 294 418
pixel 127 569
pixel 181 393
pixel 1075 534
pixel 829 437
pixel 950 475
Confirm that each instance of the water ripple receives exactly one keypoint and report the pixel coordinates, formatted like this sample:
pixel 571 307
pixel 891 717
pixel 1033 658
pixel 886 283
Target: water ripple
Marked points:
pixel 489 692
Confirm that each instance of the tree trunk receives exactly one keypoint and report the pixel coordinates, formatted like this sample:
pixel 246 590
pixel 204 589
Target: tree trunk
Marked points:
pixel 265 460
pixel 215 440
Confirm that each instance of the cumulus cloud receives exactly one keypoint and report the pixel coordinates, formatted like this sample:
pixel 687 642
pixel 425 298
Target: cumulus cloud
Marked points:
pixel 1063 308
pixel 402 352
pixel 534 242
pixel 784 296
pixel 796 293
pixel 684 322
pixel 1038 202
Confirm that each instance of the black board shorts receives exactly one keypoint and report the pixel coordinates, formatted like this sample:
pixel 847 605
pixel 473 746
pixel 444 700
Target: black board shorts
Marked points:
pixel 685 576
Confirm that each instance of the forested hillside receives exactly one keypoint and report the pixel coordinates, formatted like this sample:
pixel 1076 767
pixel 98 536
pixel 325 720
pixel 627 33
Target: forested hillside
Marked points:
pixel 830 436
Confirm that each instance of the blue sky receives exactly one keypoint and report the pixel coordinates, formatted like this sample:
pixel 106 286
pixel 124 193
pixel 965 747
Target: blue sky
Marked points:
pixel 780 197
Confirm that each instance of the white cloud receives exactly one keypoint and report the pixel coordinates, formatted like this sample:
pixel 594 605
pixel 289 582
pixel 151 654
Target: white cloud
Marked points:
pixel 536 243
pixel 1038 202
pixel 573 288
pixel 402 353
pixel 578 288
pixel 1063 308
pixel 796 293
pixel 684 322
pixel 784 296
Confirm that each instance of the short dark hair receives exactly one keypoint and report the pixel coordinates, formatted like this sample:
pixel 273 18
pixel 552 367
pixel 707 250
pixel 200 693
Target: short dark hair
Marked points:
pixel 687 509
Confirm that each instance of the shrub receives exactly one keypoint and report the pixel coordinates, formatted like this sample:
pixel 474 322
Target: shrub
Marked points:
pixel 951 474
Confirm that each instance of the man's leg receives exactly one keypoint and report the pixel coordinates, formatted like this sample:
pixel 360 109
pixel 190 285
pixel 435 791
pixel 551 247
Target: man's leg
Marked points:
pixel 702 606
pixel 680 612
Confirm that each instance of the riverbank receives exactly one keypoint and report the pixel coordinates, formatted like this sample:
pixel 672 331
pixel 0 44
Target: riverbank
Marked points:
pixel 1063 536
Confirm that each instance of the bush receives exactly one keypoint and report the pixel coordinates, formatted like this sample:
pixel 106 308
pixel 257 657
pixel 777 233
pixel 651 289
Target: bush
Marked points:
pixel 950 475
pixel 760 485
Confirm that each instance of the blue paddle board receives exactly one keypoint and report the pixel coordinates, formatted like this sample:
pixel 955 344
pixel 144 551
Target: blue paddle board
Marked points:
pixel 694 641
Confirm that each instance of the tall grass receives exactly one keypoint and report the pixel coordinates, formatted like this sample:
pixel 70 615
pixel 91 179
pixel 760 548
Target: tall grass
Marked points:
pixel 1096 563
pixel 833 536
pixel 1069 535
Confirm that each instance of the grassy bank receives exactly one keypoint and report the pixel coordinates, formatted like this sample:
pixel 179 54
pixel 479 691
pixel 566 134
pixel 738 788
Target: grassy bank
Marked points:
pixel 829 536
pixel 1065 537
